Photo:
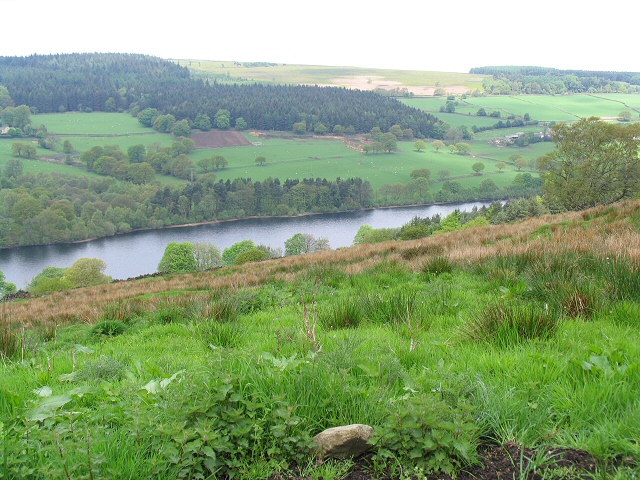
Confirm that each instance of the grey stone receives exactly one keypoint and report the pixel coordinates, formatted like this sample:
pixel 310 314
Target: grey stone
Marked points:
pixel 344 442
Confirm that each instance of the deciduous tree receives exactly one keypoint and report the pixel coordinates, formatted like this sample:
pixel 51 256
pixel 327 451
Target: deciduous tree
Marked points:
pixel 86 272
pixel 477 168
pixel 520 163
pixel 5 287
pixel 206 255
pixel 305 243
pixel 420 145
pixel 178 258
pixel 222 119
pixel 241 124
pixel 229 254
pixel 437 145
pixel 421 173
pixel 594 162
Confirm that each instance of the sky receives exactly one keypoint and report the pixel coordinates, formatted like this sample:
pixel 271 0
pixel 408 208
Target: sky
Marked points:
pixel 451 36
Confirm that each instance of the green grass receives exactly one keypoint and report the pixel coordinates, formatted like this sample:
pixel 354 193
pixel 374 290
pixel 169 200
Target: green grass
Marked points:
pixel 545 108
pixel 290 159
pixel 95 123
pixel 230 379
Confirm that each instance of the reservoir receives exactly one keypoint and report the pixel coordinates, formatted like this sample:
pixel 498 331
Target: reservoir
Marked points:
pixel 138 253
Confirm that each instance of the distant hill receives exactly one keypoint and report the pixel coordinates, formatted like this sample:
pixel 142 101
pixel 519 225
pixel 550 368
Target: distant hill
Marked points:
pixel 118 82
pixel 542 80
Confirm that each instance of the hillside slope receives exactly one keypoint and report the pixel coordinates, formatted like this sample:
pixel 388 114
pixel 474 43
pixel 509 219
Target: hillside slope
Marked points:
pixel 462 350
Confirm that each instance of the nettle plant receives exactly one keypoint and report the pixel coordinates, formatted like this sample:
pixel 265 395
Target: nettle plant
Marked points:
pixel 425 432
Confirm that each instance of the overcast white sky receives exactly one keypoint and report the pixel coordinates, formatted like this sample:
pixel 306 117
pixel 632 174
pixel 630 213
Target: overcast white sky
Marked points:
pixel 419 35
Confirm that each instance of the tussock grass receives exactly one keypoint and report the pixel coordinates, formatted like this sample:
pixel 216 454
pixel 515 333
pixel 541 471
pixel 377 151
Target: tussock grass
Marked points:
pixel 507 325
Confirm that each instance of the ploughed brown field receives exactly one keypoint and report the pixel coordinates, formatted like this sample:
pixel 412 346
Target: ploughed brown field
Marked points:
pixel 215 139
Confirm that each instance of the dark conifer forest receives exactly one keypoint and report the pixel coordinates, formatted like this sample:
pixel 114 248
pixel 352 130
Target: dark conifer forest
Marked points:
pixel 118 82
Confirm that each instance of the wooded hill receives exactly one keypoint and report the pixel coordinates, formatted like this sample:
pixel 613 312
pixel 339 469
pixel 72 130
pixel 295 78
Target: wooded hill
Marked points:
pixel 513 80
pixel 117 82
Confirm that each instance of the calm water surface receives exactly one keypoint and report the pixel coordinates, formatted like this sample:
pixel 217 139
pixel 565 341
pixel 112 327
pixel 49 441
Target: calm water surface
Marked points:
pixel 138 253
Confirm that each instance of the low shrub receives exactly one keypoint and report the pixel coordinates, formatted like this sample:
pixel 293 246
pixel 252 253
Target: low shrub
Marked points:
pixel 389 306
pixel 625 314
pixel 122 311
pixel 422 250
pixel 624 278
pixel 427 433
pixel 581 300
pixel 327 275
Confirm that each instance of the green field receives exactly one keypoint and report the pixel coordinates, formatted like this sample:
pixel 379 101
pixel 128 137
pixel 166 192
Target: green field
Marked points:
pixel 331 159
pixel 95 123
pixel 546 108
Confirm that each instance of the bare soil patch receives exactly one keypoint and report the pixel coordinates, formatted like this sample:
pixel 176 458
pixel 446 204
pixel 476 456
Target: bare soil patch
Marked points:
pixel 500 462
pixel 372 82
pixel 217 138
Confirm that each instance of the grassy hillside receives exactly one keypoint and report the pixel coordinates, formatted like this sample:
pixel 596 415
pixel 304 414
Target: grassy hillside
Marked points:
pixel 367 78
pixel 525 334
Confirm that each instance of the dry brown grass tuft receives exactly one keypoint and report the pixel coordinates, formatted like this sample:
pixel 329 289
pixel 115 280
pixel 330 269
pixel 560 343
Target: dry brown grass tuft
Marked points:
pixel 601 231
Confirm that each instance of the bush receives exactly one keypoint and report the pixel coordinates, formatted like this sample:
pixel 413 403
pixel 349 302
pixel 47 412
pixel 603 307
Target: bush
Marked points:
pixel 253 255
pixel 86 272
pixel 390 307
pixel 178 258
pixel 224 310
pixel 169 314
pixel 122 311
pixel 229 254
pixel 425 432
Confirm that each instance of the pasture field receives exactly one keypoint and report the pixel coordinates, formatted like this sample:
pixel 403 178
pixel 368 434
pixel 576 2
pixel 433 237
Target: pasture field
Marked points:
pixel 631 102
pixel 96 123
pixel 460 118
pixel 329 158
pixel 544 108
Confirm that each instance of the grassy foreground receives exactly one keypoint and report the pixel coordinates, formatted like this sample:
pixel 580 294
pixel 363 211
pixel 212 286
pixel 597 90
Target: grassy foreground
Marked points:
pixel 526 333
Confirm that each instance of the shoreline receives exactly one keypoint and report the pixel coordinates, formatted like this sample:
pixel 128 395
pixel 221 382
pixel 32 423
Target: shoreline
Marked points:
pixel 251 217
